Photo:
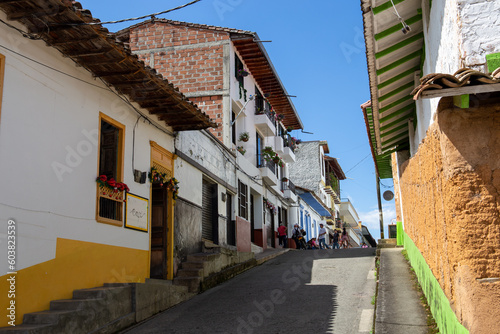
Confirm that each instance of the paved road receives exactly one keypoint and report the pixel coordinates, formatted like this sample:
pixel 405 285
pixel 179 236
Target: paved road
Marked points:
pixel 313 291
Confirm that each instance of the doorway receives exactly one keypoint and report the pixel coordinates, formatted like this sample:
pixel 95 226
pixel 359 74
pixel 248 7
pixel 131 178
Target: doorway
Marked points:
pixel 159 214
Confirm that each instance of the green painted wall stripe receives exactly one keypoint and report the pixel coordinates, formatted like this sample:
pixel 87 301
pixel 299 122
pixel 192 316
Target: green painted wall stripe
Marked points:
pixel 396 129
pixel 385 6
pixel 438 302
pixel 395 103
pixel 398 77
pixel 395 139
pixel 397 46
pixel 398 90
pixel 397 113
pixel 398 121
pixel 399 62
pixel 397 27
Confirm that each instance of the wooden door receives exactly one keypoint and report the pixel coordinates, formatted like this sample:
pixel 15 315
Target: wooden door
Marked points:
pixel 159 232
pixel 209 230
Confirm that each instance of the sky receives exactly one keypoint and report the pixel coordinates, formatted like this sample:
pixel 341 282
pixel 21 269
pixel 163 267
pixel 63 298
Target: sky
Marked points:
pixel 318 52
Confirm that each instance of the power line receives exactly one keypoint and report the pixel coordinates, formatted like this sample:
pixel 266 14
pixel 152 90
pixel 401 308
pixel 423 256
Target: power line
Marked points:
pixel 49 67
pixel 358 163
pixel 152 16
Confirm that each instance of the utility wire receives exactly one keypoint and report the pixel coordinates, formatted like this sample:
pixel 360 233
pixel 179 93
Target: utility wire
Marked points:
pixel 358 163
pixel 152 16
pixel 22 32
pixel 49 67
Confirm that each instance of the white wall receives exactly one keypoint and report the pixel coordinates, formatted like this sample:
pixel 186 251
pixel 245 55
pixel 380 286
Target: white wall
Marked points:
pixel 457 33
pixel 49 153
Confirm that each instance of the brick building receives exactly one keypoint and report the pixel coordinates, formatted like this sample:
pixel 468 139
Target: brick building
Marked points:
pixel 229 75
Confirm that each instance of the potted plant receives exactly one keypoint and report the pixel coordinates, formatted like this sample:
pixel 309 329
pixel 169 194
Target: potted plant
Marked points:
pixel 280 117
pixel 284 179
pixel 242 72
pixel 244 136
pixel 241 150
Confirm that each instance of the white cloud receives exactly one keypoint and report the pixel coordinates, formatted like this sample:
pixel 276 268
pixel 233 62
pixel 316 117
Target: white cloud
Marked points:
pixel 372 221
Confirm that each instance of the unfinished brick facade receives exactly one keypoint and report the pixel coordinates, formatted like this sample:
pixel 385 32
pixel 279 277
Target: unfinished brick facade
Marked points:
pixel 191 58
pixel 451 199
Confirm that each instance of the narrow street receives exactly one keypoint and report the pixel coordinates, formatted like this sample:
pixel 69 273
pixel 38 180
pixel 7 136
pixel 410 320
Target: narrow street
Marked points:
pixel 320 291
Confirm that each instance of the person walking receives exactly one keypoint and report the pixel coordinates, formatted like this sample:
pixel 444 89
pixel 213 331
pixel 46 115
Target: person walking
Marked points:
pixel 322 236
pixel 344 241
pixel 297 236
pixel 335 244
pixel 283 239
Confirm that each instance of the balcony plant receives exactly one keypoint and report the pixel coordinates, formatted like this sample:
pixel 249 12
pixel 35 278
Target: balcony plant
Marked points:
pixel 270 206
pixel 269 155
pixel 111 188
pixel 244 136
pixel 241 150
pixel 155 176
pixel 280 117
pixel 284 179
pixel 242 72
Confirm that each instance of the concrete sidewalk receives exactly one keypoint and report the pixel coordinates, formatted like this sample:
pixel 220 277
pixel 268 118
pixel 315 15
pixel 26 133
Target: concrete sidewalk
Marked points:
pixel 399 309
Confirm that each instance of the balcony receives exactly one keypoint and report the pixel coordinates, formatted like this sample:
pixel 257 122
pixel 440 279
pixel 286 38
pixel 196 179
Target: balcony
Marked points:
pixel 279 145
pixel 267 171
pixel 288 149
pixel 329 190
pixel 288 189
pixel 264 118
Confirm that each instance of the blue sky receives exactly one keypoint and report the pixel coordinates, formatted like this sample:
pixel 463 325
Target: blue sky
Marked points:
pixel 318 51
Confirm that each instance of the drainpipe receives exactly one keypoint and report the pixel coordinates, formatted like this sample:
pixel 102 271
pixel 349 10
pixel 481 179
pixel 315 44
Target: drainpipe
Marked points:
pixel 381 216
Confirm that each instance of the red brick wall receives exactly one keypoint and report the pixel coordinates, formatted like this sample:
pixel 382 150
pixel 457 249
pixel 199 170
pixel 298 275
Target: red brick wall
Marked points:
pixel 197 69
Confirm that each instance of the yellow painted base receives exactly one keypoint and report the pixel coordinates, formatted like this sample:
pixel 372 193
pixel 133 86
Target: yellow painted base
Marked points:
pixel 78 265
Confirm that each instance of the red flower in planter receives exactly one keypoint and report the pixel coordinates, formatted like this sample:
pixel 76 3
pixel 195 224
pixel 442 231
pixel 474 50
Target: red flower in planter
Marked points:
pixel 103 178
pixel 112 182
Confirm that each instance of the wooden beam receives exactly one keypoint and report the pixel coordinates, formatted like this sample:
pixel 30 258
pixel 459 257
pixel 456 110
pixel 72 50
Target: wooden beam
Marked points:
pixel 35 13
pixel 475 89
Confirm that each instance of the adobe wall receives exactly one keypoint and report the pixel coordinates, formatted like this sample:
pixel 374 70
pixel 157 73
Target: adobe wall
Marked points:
pixel 451 197
pixel 190 58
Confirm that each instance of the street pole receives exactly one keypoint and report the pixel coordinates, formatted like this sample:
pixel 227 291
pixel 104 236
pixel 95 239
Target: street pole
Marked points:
pixel 381 216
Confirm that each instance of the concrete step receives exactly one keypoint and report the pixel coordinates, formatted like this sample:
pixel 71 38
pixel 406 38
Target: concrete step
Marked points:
pixel 202 257
pixel 193 265
pixel 92 293
pixel 28 329
pixel 190 273
pixel 387 243
pixel 73 304
pixel 47 317
pixel 192 283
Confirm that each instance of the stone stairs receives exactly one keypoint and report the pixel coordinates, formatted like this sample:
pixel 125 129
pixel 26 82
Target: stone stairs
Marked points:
pixel 387 243
pixel 107 308
pixel 195 269
pixel 213 265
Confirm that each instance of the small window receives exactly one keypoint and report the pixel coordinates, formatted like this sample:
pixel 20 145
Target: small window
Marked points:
pixel 242 200
pixel 109 202
pixel 2 70
pixel 233 127
pixel 238 67
pixel 259 102
pixel 259 147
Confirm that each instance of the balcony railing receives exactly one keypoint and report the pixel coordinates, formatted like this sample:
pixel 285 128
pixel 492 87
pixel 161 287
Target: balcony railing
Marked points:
pixel 262 107
pixel 287 142
pixel 261 162
pixel 288 185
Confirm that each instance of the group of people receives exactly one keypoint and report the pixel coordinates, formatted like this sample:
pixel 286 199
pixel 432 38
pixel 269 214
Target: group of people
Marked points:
pixel 298 235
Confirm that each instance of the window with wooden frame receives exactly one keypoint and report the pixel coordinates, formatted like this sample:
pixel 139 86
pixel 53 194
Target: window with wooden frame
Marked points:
pixel 2 71
pixel 111 148
pixel 242 200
